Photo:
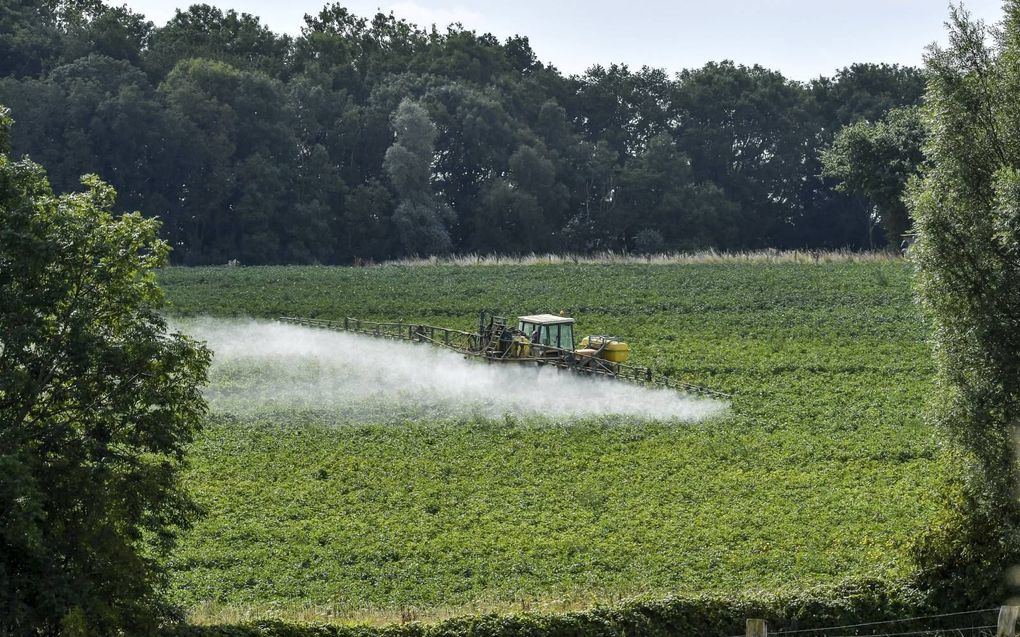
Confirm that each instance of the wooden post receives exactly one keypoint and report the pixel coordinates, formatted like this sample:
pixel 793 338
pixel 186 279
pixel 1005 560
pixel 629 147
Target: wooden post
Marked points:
pixel 757 628
pixel 1007 621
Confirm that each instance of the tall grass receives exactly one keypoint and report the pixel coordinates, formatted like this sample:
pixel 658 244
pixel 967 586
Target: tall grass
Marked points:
pixel 768 256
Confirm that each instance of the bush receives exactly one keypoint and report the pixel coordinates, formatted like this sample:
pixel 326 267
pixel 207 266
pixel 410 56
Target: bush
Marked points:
pixel 851 602
pixel 648 242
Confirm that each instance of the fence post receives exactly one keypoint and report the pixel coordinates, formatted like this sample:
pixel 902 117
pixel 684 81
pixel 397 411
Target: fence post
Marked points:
pixel 757 628
pixel 1007 621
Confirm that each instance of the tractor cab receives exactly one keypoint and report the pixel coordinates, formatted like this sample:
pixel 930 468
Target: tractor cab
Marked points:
pixel 548 330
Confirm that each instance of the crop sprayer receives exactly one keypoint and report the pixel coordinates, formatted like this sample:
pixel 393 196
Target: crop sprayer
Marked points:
pixel 541 339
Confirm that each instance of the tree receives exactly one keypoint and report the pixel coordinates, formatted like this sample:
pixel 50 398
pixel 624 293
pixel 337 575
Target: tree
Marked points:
pixel 240 179
pixel 747 131
pixel 38 35
pixel 98 404
pixel 865 92
pixel 476 137
pixel 623 108
pixel 534 173
pixel 966 211
pixel 590 226
pixel 252 145
pixel 656 191
pixel 99 115
pixel 649 242
pixel 875 160
pixel 829 218
pixel 91 27
pixel 510 220
pixel 341 49
pixel 30 41
pixel 421 219
pixel 368 222
pixel 204 31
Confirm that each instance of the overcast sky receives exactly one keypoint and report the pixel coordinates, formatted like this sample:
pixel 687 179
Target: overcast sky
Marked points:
pixel 801 38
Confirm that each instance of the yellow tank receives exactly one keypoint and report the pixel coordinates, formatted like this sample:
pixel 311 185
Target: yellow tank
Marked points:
pixel 612 350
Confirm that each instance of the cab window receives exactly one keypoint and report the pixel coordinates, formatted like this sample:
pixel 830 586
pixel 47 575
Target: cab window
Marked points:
pixel 561 336
pixel 566 336
pixel 527 328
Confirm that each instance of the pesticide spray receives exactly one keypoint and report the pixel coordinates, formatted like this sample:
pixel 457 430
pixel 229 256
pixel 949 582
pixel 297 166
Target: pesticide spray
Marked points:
pixel 263 365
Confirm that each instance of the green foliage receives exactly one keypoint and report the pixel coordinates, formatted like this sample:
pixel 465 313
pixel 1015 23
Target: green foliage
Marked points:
pixel 648 242
pixel 29 38
pixel 421 219
pixel 822 470
pixel 268 149
pixel 866 92
pixel 97 407
pixel 39 35
pixel 205 31
pixel 107 116
pixel 754 148
pixel 967 214
pixel 876 160
pixel 684 615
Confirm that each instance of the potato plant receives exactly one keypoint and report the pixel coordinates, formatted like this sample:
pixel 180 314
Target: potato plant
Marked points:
pixel 822 470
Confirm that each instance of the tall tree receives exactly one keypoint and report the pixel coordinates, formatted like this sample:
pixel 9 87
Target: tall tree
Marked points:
pixel 101 115
pixel 657 192
pixel 624 108
pixel 241 179
pixel 98 404
pixel 876 160
pixel 747 130
pixel 91 27
pixel 422 219
pixel 967 215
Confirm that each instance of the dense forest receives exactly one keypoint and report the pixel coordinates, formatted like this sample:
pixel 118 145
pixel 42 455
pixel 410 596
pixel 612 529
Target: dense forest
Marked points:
pixel 371 138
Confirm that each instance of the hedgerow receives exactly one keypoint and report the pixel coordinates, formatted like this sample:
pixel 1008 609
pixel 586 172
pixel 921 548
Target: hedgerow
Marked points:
pixel 850 602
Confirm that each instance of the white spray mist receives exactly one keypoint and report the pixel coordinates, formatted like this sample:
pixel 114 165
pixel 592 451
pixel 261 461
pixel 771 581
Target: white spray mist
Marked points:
pixel 264 365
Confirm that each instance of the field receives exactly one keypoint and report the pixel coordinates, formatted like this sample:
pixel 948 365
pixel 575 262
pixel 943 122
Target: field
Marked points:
pixel 820 469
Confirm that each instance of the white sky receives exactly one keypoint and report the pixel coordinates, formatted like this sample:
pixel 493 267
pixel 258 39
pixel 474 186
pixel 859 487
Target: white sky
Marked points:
pixel 801 38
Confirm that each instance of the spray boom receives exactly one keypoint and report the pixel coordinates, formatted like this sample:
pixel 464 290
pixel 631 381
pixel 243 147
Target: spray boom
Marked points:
pixel 541 339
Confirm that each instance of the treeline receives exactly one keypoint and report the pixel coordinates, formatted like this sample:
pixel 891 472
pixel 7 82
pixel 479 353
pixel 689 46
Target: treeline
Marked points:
pixel 373 138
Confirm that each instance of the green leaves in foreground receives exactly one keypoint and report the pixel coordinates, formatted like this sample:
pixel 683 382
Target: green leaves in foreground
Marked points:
pixel 967 211
pixel 97 407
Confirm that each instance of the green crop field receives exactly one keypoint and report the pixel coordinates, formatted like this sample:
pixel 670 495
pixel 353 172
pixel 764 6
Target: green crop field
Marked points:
pixel 820 468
